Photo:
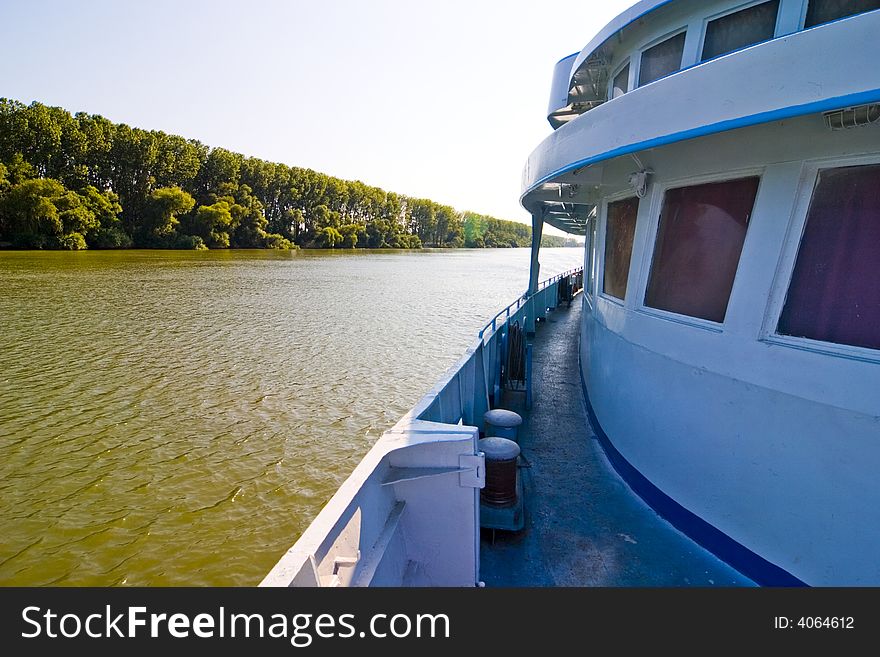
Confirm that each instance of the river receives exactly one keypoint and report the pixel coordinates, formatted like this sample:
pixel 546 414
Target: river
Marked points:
pixel 178 418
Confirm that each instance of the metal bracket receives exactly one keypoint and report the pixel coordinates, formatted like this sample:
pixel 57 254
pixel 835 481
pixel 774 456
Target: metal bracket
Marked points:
pixel 472 470
pixel 346 562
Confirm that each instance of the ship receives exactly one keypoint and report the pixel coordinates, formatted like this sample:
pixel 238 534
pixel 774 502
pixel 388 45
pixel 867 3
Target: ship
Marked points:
pixel 700 403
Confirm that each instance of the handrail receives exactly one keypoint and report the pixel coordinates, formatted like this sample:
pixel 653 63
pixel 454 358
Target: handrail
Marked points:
pixel 523 299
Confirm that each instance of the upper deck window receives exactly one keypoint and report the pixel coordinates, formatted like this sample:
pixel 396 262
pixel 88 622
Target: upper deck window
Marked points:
pixel 661 60
pixel 825 11
pixel 620 85
pixel 740 29
pixel 699 242
pixel 620 229
pixel 834 295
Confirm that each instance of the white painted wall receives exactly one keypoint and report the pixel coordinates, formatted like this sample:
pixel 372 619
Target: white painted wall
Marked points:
pixel 774 442
pixel 820 64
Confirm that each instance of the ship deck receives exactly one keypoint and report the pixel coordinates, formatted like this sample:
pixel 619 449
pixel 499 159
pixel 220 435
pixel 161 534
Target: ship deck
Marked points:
pixel 584 526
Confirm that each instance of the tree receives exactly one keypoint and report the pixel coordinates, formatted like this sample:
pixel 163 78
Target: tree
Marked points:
pixel 29 216
pixel 351 234
pixel 218 176
pixel 160 215
pixel 329 237
pixel 105 206
pixel 42 213
pixel 275 241
pixel 19 170
pixel 118 186
pixel 212 223
pixel 248 219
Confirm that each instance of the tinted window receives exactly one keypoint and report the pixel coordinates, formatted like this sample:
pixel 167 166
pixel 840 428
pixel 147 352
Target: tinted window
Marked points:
pixel 823 11
pixel 834 293
pixel 740 29
pixel 621 83
pixel 619 233
pixel 699 241
pixel 661 60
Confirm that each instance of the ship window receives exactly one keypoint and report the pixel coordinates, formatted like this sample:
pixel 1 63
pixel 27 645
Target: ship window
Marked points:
pixel 825 11
pixel 621 82
pixel 834 295
pixel 699 242
pixel 662 59
pixel 620 229
pixel 740 29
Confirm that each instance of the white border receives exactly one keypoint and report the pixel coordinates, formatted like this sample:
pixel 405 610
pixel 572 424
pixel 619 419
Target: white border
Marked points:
pixel 637 54
pixel 788 258
pixel 704 30
pixel 657 197
pixel 600 260
pixel 627 61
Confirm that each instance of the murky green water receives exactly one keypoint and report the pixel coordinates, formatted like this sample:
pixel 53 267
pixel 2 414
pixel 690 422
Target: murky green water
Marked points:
pixel 178 418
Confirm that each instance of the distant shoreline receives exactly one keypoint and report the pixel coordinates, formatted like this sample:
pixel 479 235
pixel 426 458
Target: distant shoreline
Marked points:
pixel 10 249
pixel 76 182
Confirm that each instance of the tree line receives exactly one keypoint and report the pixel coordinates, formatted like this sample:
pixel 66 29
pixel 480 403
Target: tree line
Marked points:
pixel 81 181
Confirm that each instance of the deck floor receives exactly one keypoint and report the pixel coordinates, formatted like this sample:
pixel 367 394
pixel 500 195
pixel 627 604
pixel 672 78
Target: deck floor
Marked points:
pixel 584 526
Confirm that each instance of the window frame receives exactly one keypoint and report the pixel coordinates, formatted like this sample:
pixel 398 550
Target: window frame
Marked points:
pixel 805 8
pixel 788 258
pixel 647 262
pixel 636 57
pixel 704 30
pixel 627 61
pixel 600 252
pixel 589 258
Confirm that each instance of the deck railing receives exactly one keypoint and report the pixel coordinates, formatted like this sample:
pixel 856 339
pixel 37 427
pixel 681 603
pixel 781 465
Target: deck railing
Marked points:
pixel 474 383
pixel 409 513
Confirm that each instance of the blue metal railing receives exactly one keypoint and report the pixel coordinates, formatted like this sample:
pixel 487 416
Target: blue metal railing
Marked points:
pixel 521 301
pixel 473 385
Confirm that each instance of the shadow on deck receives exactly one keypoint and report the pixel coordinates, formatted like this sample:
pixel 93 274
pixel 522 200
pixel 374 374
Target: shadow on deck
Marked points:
pixel 584 526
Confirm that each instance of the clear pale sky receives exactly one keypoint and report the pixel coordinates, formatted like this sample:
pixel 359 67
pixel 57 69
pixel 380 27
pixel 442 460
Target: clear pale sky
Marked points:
pixel 436 99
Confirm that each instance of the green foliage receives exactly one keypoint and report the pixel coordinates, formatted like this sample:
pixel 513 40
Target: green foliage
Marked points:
pixel 116 186
pixel 483 231
pixel 351 234
pixel 407 242
pixel 275 241
pixel 248 220
pixel 19 170
pixel 72 242
pixel 329 237
pixel 159 219
pixel 190 242
pixel 28 210
pixel 110 238
pixel 555 241
pixel 213 223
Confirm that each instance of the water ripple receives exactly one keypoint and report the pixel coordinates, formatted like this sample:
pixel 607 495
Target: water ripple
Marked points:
pixel 179 418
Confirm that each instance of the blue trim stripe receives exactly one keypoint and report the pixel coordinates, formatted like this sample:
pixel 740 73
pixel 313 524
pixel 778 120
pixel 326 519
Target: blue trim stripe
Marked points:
pixel 720 544
pixel 562 59
pixel 825 105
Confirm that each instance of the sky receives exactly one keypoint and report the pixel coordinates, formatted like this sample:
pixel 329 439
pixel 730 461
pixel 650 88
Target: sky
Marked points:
pixel 434 99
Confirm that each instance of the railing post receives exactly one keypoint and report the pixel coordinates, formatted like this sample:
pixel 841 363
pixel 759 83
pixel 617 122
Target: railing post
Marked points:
pixel 529 375
pixel 480 391
pixel 530 317
pixel 535 266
